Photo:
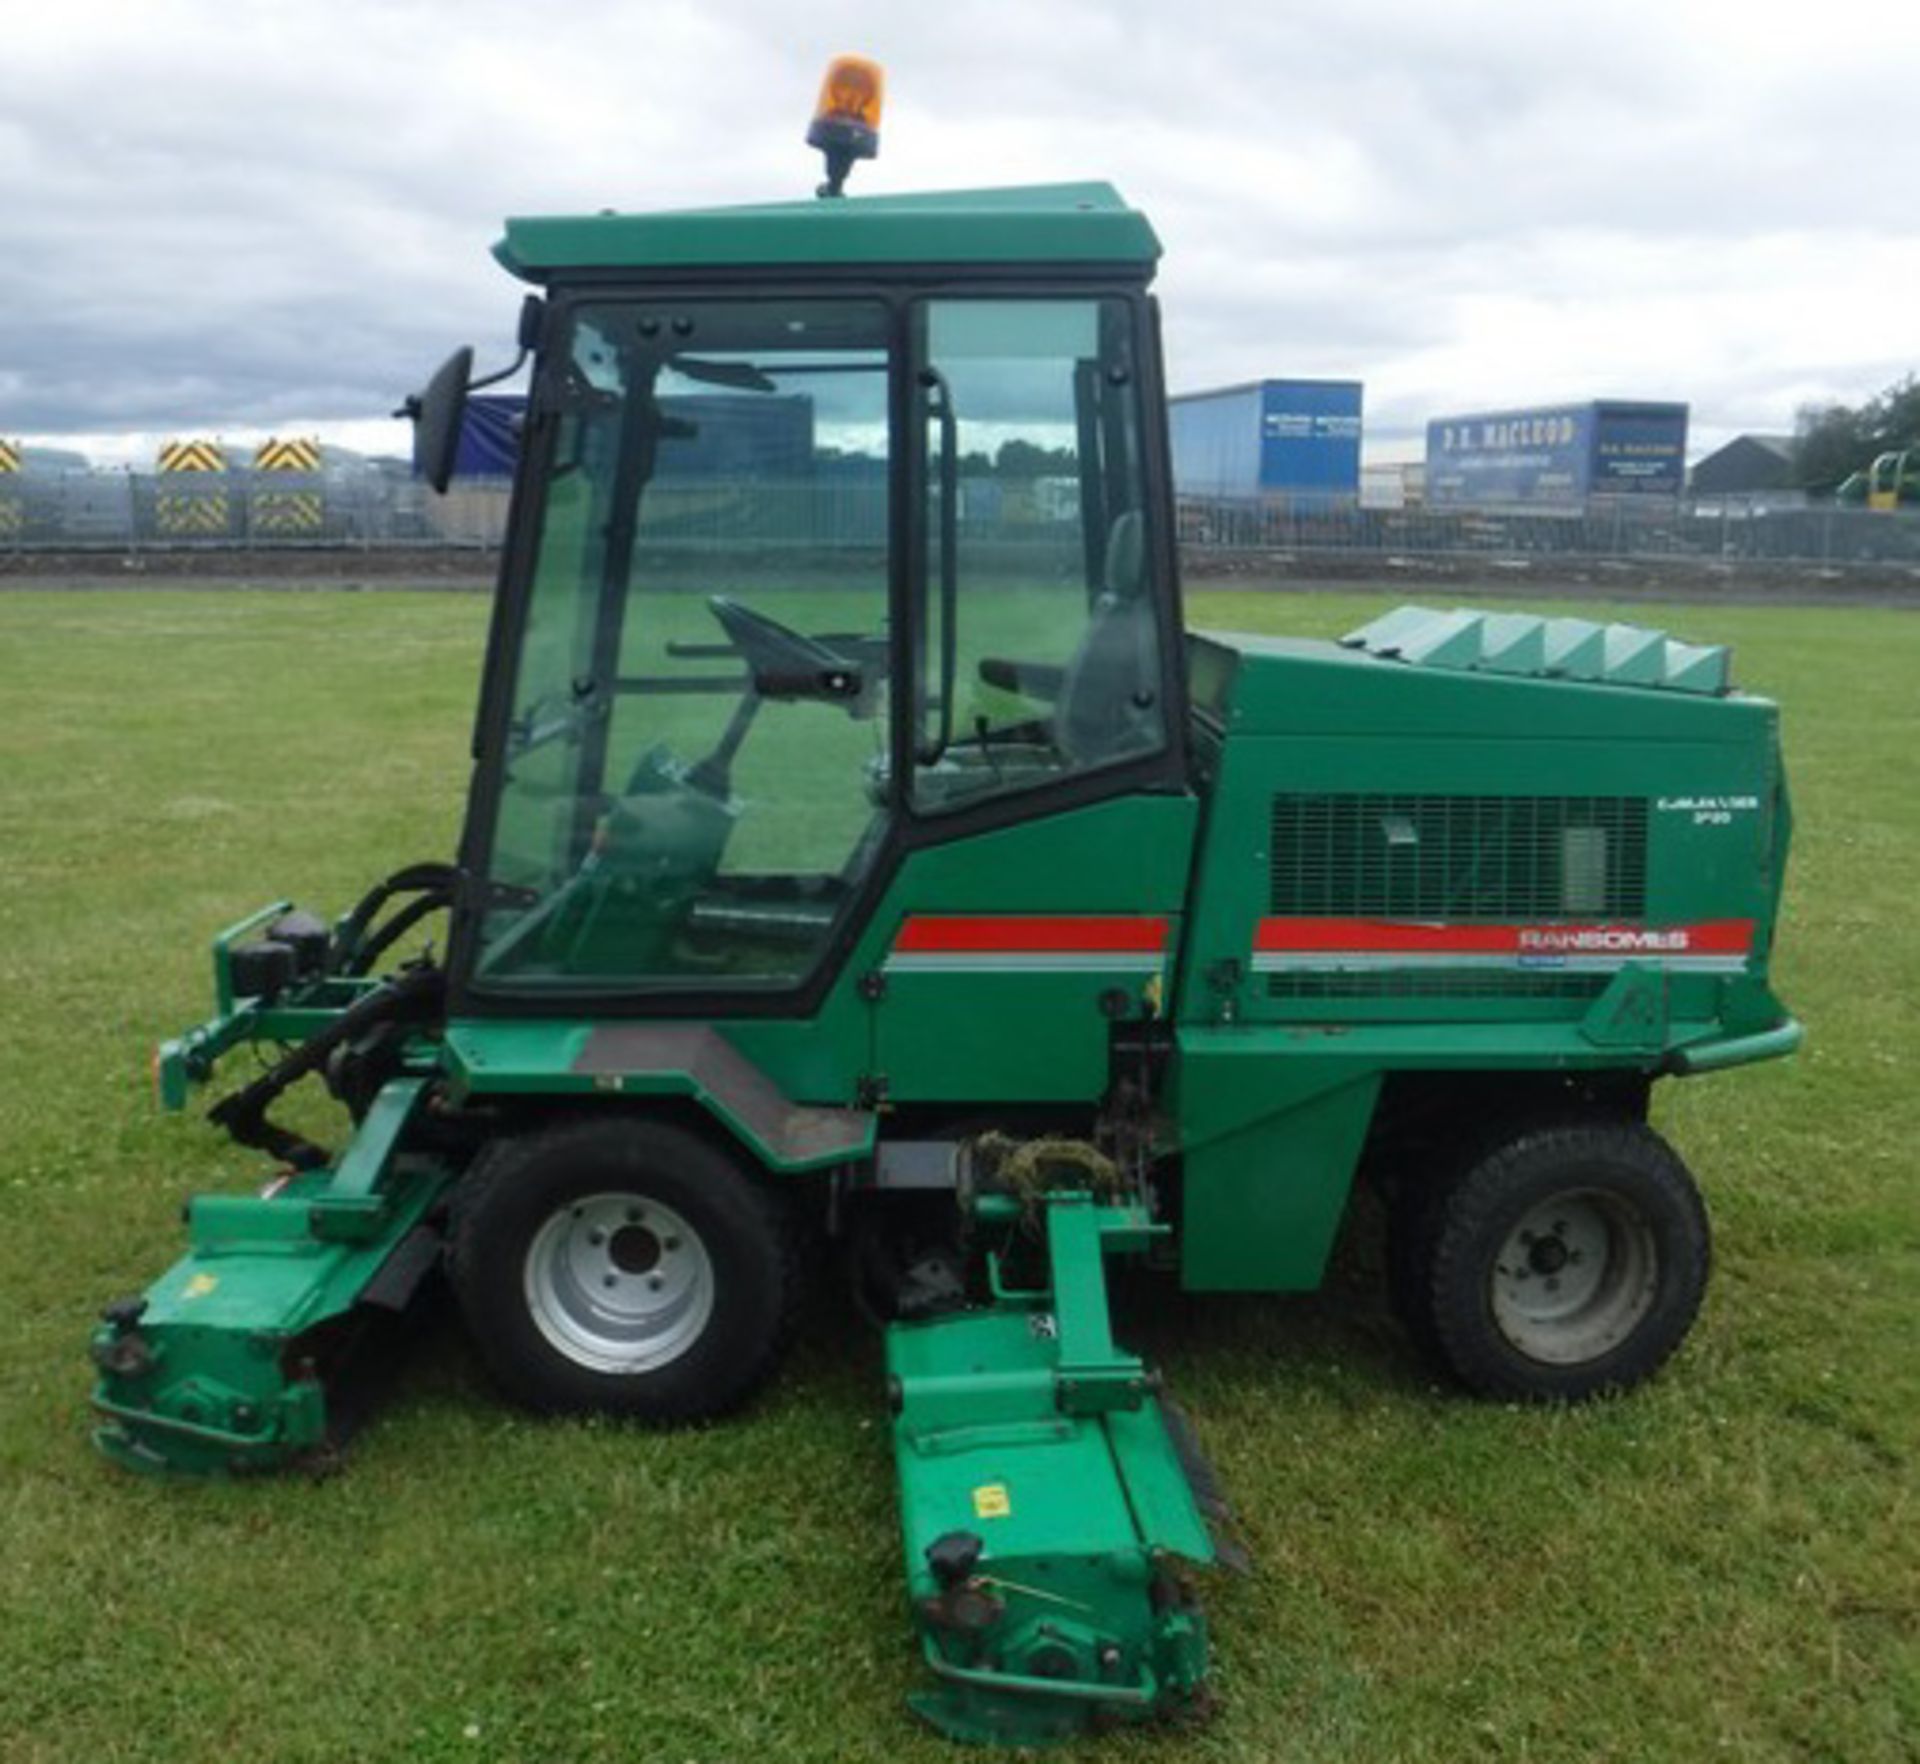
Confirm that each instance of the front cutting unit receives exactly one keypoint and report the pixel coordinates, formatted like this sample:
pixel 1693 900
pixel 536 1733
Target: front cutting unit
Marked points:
pixel 866 872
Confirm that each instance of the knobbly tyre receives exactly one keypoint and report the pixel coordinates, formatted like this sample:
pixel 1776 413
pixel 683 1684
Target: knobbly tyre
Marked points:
pixel 862 863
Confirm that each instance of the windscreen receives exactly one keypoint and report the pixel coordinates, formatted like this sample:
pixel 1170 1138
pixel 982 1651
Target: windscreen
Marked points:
pixel 690 779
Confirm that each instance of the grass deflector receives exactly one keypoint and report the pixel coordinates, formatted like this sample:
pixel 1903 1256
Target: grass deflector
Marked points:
pixel 864 868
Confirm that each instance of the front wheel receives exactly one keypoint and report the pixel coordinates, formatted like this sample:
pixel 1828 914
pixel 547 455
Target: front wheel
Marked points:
pixel 623 1267
pixel 1568 1261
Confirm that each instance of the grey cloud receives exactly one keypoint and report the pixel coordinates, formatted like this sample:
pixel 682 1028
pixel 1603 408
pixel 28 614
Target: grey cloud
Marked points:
pixel 231 216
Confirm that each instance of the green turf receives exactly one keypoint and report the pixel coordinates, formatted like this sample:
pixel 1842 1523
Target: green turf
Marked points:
pixel 1725 1565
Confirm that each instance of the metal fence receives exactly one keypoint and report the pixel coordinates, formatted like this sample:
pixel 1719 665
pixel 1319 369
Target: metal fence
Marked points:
pixel 373 507
pixel 1704 532
pixel 134 511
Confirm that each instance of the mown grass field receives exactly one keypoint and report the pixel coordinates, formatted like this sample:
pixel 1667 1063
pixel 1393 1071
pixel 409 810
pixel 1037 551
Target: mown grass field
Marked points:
pixel 1725 1565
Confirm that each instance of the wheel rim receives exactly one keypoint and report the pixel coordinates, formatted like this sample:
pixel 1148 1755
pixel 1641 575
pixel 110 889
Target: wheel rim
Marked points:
pixel 1575 1277
pixel 619 1283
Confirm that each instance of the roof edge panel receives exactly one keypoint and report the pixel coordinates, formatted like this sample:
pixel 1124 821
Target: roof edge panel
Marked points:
pixel 1042 223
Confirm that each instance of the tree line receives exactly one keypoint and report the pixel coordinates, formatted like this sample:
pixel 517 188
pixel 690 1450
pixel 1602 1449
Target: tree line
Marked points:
pixel 1832 441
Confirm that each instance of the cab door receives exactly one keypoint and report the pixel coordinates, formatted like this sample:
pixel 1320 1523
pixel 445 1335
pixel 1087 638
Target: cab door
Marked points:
pixel 682 791
pixel 1046 822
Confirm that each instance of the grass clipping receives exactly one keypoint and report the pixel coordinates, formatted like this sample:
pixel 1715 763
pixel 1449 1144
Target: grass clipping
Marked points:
pixel 1031 1169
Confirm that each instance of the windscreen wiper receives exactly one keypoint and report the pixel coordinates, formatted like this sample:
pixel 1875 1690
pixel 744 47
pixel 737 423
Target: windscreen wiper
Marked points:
pixel 742 376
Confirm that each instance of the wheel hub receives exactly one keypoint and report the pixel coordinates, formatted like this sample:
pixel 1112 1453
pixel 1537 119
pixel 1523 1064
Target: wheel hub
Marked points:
pixel 634 1249
pixel 1547 1255
pixel 1575 1277
pixel 619 1283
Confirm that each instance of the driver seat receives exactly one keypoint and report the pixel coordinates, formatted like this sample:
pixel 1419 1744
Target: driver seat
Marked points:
pixel 1109 703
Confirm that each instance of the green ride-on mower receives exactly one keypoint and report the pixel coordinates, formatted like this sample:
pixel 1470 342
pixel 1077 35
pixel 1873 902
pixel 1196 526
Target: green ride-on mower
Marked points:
pixel 862 862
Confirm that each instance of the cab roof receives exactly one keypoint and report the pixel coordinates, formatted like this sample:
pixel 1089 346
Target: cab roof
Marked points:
pixel 1032 224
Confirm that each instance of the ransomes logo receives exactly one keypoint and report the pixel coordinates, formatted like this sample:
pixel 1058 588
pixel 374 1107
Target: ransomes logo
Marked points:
pixel 1602 940
pixel 1700 946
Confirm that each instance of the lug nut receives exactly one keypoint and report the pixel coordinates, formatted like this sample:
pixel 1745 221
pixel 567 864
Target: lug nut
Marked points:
pixel 610 1280
pixel 655 1282
pixel 669 1243
pixel 596 1238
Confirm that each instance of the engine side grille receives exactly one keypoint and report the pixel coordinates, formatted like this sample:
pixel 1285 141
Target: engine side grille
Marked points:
pixel 1460 859
pixel 1432 984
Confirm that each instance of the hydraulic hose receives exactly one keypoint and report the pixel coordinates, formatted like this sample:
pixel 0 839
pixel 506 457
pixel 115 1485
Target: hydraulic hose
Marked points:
pixel 412 993
pixel 361 959
pixel 424 878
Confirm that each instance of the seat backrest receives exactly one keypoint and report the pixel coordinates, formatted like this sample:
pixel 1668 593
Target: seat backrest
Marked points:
pixel 1109 703
pixel 1125 574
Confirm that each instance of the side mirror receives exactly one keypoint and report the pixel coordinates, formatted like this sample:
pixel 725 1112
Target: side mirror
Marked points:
pixel 436 415
pixel 533 314
pixel 437 412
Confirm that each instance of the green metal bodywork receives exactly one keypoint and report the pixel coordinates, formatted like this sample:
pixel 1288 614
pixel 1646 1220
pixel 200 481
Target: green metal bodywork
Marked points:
pixel 1036 224
pixel 1267 1099
pixel 931 1038
pixel 1024 1423
pixel 1272 1096
pixel 1545 649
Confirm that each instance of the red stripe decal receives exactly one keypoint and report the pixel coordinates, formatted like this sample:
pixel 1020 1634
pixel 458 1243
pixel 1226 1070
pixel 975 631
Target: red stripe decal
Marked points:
pixel 1052 934
pixel 1391 937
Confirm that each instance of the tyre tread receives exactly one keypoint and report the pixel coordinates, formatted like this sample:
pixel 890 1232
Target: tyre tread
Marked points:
pixel 1443 1235
pixel 509 1164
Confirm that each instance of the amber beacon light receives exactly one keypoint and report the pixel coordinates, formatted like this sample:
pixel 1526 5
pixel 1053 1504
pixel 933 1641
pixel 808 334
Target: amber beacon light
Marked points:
pixel 846 121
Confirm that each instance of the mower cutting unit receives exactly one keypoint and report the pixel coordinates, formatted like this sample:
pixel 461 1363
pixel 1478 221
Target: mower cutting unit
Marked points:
pixel 862 864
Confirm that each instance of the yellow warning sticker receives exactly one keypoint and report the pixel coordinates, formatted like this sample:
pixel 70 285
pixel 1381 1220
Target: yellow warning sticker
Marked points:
pixel 990 1501
pixel 276 455
pixel 192 456
pixel 199 1286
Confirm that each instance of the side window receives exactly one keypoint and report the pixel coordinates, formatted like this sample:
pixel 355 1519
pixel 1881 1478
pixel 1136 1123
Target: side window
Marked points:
pixel 1036 639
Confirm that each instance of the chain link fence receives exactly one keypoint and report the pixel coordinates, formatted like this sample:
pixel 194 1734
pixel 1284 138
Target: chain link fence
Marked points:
pixel 368 508
pixel 1621 530
pixel 139 511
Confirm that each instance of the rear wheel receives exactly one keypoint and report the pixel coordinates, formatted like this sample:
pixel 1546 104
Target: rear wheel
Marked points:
pixel 623 1267
pixel 1568 1261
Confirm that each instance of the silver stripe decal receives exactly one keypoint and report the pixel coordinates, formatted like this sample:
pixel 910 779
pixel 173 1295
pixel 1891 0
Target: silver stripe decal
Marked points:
pixel 1372 961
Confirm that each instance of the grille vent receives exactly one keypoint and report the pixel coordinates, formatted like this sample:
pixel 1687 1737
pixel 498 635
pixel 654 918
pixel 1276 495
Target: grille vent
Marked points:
pixel 1429 984
pixel 1461 859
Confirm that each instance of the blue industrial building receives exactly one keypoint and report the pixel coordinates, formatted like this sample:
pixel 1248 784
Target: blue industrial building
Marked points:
pixel 1557 455
pixel 1294 438
pixel 722 435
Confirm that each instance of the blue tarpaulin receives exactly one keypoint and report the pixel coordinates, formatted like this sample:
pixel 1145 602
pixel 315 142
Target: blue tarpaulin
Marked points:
pixel 490 437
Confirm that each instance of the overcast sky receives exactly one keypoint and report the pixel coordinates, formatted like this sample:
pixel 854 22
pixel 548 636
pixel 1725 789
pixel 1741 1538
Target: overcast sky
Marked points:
pixel 260 216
